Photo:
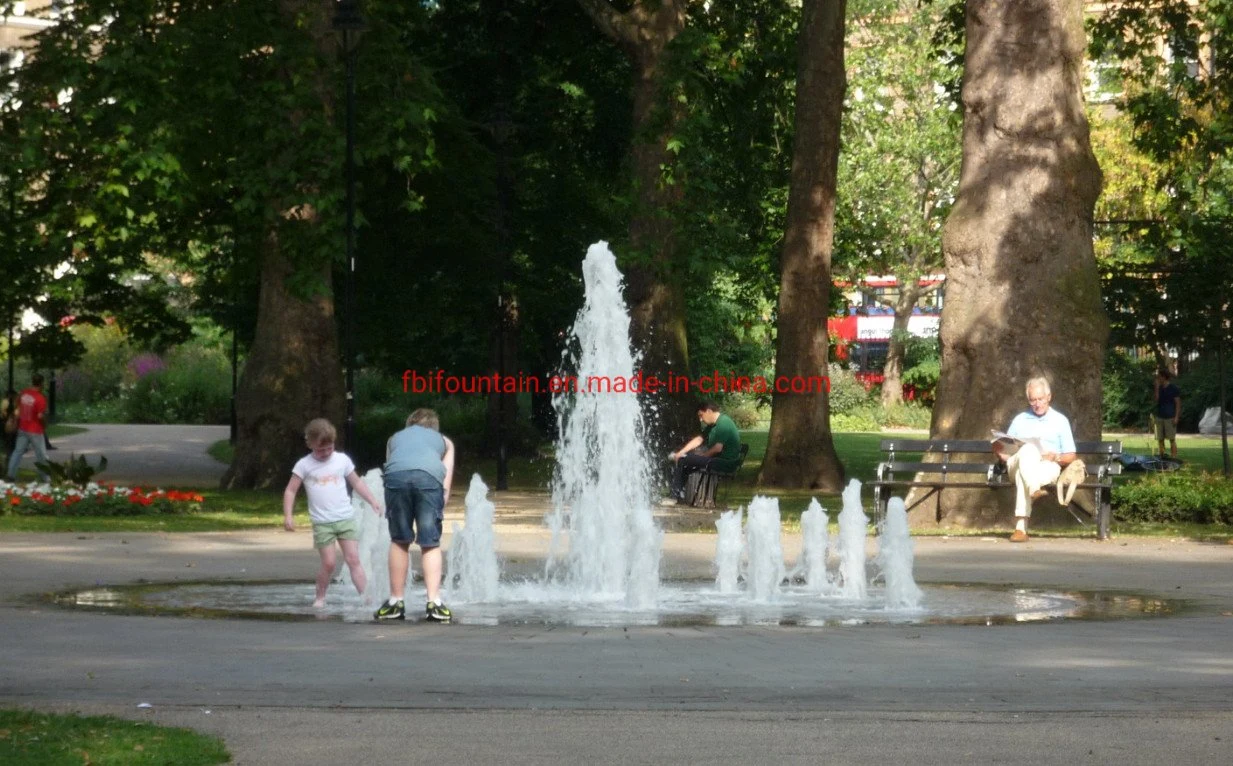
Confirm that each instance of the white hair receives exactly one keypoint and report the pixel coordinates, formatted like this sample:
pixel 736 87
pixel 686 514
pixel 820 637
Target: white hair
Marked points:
pixel 1041 382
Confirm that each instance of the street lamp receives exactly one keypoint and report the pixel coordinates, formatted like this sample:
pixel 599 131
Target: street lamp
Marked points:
pixel 349 26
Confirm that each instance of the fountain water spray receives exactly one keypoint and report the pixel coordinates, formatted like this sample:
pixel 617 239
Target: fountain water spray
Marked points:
pixel 814 544
pixel 766 568
pixel 474 570
pixel 895 556
pixel 374 542
pixel 852 524
pixel 602 488
pixel 728 551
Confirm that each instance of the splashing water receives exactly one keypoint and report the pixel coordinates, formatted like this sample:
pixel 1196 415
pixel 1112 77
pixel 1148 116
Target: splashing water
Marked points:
pixel 728 551
pixel 852 524
pixel 474 571
pixel 374 542
pixel 895 556
pixel 602 488
pixel 814 544
pixel 766 568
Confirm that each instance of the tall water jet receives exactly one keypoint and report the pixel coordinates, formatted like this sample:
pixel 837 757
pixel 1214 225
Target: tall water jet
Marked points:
pixel 602 488
pixel 374 541
pixel 852 524
pixel 895 557
pixel 766 569
pixel 814 544
pixel 474 571
pixel 728 550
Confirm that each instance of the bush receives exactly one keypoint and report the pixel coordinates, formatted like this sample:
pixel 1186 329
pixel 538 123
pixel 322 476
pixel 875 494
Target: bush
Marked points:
pixel 1126 390
pixel 847 394
pixel 1200 388
pixel 113 410
pixel 907 415
pixel 99 374
pixel 193 387
pixel 1182 496
pixel 867 417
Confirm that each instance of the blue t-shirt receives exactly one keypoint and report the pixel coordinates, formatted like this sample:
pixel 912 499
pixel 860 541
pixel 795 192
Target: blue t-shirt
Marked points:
pixel 1166 402
pixel 1052 428
pixel 416 448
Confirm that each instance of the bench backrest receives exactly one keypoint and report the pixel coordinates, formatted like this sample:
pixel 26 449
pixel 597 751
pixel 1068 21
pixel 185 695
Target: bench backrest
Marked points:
pixel 1101 457
pixel 952 446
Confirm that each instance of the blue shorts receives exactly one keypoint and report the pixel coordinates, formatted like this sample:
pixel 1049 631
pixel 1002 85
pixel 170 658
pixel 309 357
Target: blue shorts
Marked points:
pixel 414 497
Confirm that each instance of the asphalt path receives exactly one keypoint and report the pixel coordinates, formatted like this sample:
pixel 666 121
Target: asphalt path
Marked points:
pixel 150 455
pixel 1135 691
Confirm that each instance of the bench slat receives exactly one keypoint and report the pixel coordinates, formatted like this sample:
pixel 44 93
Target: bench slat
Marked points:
pixel 954 446
pixel 1093 469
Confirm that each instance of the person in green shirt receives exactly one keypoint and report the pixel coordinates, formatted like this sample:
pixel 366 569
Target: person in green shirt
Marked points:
pixel 718 447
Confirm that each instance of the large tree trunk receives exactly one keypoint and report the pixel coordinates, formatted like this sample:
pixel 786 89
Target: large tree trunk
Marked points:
pixel 799 450
pixel 654 291
pixel 892 370
pixel 1022 291
pixel 293 373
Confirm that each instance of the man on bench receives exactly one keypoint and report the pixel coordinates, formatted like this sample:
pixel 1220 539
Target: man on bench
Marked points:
pixel 1033 467
pixel 718 447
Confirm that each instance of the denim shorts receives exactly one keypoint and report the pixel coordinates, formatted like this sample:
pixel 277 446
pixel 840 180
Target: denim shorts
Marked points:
pixel 414 497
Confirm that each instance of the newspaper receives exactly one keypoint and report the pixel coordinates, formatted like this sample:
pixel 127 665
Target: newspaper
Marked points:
pixel 1011 444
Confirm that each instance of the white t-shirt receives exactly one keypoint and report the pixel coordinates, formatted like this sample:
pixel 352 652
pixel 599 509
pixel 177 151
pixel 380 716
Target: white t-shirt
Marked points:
pixel 325 483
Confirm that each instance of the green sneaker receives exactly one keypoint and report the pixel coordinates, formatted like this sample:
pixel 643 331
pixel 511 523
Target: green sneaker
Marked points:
pixel 388 611
pixel 438 612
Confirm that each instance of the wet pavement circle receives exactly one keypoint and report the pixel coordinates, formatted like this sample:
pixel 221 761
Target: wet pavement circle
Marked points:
pixel 680 603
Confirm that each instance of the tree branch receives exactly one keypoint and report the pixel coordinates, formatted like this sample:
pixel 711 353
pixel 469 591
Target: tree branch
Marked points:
pixel 611 22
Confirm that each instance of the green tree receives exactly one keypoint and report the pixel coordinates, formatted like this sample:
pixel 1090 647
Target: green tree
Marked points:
pixel 182 128
pixel 800 451
pixel 899 169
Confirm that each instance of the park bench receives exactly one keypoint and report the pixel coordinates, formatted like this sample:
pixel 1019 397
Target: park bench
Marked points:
pixel 701 487
pixel 948 464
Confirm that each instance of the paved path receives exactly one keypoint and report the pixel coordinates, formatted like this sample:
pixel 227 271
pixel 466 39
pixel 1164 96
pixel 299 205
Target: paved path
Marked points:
pixel 164 456
pixel 1142 691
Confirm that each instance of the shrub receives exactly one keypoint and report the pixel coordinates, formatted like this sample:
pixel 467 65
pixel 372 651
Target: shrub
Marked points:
pixel 1200 387
pixel 867 417
pixel 1126 390
pixel 99 373
pixel 194 387
pixel 1181 496
pixel 847 393
pixel 907 415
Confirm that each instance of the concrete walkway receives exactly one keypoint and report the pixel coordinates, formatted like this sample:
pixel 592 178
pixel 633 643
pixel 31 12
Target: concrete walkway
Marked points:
pixel 1140 691
pixel 163 456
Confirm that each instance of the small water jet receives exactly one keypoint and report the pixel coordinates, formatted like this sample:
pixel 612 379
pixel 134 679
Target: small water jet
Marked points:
pixel 852 526
pixel 728 551
pixel 814 544
pixel 766 568
pixel 472 563
pixel 895 557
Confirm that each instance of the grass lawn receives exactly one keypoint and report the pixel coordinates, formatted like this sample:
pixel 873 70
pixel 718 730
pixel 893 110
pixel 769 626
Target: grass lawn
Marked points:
pixel 29 737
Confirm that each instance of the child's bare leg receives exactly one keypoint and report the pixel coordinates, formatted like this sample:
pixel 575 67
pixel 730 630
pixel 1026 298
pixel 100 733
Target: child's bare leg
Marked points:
pixel 351 554
pixel 324 574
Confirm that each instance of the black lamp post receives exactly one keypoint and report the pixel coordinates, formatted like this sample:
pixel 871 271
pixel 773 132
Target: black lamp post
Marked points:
pixel 349 26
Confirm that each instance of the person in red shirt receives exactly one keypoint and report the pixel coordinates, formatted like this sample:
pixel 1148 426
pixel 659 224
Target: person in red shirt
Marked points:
pixel 31 408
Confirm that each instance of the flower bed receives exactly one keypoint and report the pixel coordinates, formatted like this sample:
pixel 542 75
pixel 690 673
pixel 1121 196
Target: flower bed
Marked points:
pixel 102 499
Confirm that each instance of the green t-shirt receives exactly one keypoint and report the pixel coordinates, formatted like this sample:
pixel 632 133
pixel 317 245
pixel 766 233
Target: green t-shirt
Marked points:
pixel 724 432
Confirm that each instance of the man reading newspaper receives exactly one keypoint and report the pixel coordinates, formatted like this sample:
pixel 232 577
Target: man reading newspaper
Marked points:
pixel 1036 446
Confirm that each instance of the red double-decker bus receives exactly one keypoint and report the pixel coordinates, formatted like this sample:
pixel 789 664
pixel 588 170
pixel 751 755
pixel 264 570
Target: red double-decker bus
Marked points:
pixel 862 335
